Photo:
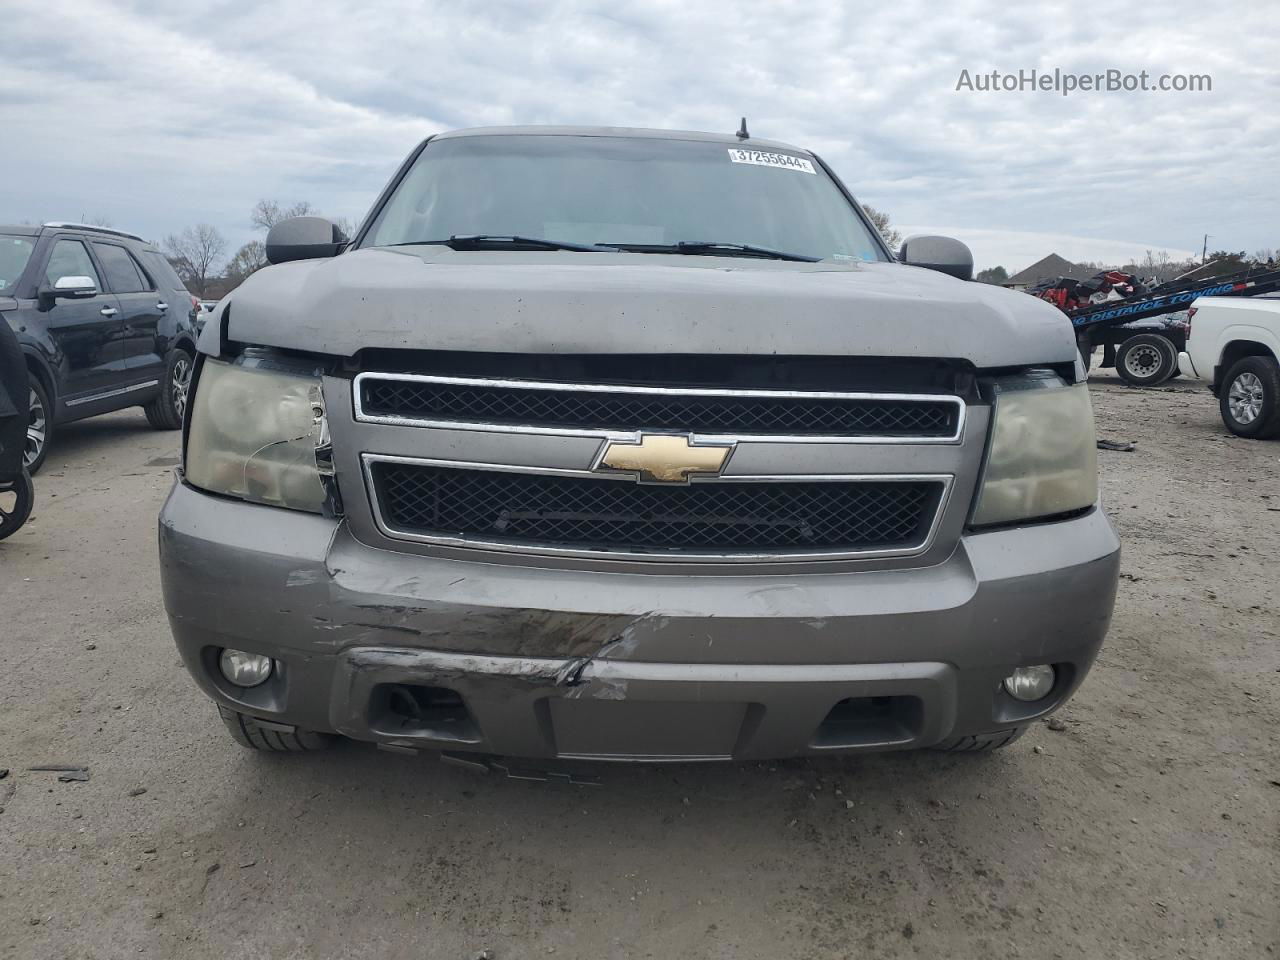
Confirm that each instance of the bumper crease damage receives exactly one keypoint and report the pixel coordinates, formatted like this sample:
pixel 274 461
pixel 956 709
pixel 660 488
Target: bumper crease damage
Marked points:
pixel 643 666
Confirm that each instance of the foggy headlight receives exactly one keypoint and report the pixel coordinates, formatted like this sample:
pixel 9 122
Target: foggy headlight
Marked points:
pixel 254 434
pixel 1043 458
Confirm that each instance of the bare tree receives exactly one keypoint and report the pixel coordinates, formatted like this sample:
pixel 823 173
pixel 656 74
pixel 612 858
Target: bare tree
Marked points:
pixel 267 213
pixel 248 260
pixel 892 237
pixel 194 253
pixel 97 220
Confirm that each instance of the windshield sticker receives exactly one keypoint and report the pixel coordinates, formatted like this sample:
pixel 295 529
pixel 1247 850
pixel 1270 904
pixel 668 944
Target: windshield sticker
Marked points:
pixel 763 159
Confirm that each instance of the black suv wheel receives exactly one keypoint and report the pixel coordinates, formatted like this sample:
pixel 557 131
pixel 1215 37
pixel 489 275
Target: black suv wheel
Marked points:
pixel 1249 398
pixel 39 426
pixel 166 410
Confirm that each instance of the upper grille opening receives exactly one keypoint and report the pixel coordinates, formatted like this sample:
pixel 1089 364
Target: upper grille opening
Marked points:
pixel 732 371
pixel 771 414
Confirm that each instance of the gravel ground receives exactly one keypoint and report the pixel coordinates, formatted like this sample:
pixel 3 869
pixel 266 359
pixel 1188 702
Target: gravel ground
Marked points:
pixel 1148 827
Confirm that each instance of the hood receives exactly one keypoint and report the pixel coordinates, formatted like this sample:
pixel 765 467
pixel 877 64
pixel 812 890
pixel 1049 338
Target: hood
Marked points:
pixel 432 298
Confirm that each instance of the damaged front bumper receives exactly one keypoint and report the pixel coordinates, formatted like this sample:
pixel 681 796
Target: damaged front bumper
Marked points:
pixel 413 651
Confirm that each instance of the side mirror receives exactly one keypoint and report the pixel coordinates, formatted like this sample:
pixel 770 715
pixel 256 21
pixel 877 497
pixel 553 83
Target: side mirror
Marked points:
pixel 938 253
pixel 304 238
pixel 70 288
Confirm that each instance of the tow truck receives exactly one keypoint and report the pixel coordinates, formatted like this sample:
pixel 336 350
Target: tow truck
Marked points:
pixel 1142 333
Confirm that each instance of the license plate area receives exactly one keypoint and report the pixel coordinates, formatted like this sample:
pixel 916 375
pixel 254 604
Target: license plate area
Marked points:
pixel 601 729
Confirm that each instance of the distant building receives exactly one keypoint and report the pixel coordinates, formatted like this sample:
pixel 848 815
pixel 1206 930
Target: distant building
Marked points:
pixel 1049 268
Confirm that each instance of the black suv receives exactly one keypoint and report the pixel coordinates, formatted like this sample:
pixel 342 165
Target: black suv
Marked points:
pixel 104 322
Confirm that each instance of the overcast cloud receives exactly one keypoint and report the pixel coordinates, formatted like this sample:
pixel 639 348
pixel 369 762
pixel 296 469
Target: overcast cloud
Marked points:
pixel 158 115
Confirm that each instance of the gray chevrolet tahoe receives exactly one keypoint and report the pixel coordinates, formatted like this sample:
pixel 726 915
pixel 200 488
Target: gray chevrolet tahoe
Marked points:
pixel 632 445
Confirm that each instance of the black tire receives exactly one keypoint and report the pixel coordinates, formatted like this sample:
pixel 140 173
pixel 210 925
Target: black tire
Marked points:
pixel 16 499
pixel 40 417
pixel 1086 352
pixel 166 410
pixel 1249 398
pixel 248 733
pixel 982 742
pixel 1146 360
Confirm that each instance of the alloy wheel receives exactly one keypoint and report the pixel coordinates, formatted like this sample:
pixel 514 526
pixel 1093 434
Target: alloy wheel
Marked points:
pixel 1244 398
pixel 37 427
pixel 179 385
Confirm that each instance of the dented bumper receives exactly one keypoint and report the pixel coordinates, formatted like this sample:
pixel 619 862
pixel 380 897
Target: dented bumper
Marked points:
pixel 544 662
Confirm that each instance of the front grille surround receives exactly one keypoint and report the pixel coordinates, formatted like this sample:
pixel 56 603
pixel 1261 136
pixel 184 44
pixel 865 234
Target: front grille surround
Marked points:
pixel 937 489
pixel 569 409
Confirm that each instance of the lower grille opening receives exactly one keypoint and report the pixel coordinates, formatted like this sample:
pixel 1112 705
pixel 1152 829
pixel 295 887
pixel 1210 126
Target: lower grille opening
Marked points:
pixel 721 518
pixel 414 710
pixel 870 721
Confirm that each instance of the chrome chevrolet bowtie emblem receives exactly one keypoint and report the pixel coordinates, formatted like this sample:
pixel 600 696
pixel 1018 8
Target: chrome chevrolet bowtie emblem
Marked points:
pixel 664 458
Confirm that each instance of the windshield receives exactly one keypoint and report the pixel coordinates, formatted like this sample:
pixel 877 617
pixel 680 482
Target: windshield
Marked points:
pixel 639 192
pixel 14 254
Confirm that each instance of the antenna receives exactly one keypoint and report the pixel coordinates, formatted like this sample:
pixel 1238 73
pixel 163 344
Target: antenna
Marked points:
pixel 742 130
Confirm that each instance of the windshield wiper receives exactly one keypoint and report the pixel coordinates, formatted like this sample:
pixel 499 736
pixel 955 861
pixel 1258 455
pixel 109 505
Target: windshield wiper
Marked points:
pixel 715 249
pixel 480 241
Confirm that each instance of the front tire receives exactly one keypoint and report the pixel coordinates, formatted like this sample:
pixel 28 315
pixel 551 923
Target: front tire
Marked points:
pixel 16 499
pixel 248 733
pixel 39 426
pixel 982 742
pixel 1146 360
pixel 1086 348
pixel 165 412
pixel 1249 398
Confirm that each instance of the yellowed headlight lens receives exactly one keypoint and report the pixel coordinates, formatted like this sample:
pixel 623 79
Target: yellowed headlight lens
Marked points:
pixel 254 434
pixel 1043 458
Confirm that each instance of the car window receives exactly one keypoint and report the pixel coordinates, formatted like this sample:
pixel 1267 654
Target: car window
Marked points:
pixel 14 254
pixel 69 258
pixel 148 277
pixel 162 270
pixel 122 275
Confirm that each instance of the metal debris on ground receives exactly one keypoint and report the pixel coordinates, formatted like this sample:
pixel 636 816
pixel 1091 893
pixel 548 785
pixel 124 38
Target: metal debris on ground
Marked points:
pixel 1123 446
pixel 67 772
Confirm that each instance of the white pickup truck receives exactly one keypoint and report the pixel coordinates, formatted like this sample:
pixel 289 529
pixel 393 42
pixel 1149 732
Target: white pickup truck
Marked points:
pixel 1234 343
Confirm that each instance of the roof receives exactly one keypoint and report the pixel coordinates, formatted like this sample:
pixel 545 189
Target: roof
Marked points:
pixel 646 133
pixel 1049 268
pixel 27 230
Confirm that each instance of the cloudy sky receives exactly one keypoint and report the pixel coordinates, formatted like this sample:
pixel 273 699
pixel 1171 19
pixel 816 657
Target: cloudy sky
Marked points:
pixel 157 115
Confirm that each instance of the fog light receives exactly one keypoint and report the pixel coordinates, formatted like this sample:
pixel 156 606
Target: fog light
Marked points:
pixel 244 669
pixel 1030 683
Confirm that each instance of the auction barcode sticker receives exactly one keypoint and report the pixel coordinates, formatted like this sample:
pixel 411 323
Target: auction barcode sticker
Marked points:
pixel 762 158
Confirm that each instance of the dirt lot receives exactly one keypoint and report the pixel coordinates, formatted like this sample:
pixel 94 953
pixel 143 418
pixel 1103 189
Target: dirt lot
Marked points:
pixel 1149 827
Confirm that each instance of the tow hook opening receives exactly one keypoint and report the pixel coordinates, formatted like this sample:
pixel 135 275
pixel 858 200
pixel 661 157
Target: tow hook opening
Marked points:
pixel 870 722
pixel 417 710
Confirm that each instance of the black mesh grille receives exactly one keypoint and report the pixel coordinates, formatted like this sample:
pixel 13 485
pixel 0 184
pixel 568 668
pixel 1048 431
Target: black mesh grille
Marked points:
pixel 528 406
pixel 723 517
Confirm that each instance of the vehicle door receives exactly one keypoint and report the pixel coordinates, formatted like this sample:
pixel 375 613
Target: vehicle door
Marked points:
pixel 85 329
pixel 141 309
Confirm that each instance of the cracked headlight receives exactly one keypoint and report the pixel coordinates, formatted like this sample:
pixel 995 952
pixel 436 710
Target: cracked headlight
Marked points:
pixel 255 433
pixel 1043 457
